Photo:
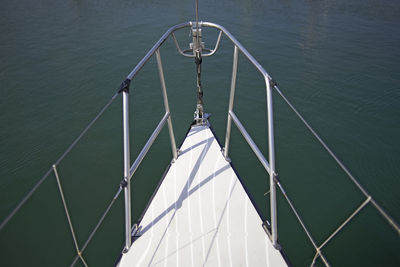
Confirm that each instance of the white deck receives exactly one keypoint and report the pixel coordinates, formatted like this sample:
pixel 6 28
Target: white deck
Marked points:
pixel 201 215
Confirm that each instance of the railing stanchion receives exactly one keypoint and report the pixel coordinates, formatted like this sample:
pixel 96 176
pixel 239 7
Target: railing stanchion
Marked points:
pixel 166 105
pixel 272 173
pixel 231 99
pixel 127 184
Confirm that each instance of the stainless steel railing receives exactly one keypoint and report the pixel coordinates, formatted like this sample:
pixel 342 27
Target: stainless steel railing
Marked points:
pixel 130 169
pixel 269 166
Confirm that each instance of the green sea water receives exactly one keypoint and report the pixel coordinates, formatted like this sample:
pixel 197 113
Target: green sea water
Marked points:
pixel 61 61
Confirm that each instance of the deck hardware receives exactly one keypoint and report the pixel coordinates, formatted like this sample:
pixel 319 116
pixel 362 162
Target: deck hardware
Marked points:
pixel 189 52
pixel 228 159
pixel 197 46
pixel 124 87
pixel 123 183
pixel 198 115
pixel 272 83
pixel 135 229
pixel 276 177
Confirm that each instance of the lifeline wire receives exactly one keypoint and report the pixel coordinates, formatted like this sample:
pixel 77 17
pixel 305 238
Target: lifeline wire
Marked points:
pixel 98 224
pixel 318 253
pixel 374 203
pixel 44 177
pixel 67 214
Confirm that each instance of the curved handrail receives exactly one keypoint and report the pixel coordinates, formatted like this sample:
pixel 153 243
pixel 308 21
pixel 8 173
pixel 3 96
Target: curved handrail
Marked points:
pixel 269 166
pixel 171 30
pixel 157 45
pixel 186 54
pixel 239 45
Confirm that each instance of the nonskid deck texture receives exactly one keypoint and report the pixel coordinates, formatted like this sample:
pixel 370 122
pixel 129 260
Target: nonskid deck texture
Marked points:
pixel 201 215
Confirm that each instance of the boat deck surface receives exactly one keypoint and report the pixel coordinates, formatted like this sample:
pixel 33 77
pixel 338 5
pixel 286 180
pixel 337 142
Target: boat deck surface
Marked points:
pixel 201 215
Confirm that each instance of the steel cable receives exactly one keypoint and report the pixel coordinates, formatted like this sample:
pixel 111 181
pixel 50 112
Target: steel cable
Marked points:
pixel 44 177
pixel 98 225
pixel 352 178
pixel 318 252
pixel 79 252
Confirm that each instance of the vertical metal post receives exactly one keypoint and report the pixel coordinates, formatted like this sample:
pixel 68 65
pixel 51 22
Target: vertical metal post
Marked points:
pixel 197 13
pixel 166 105
pixel 127 188
pixel 271 145
pixel 231 99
